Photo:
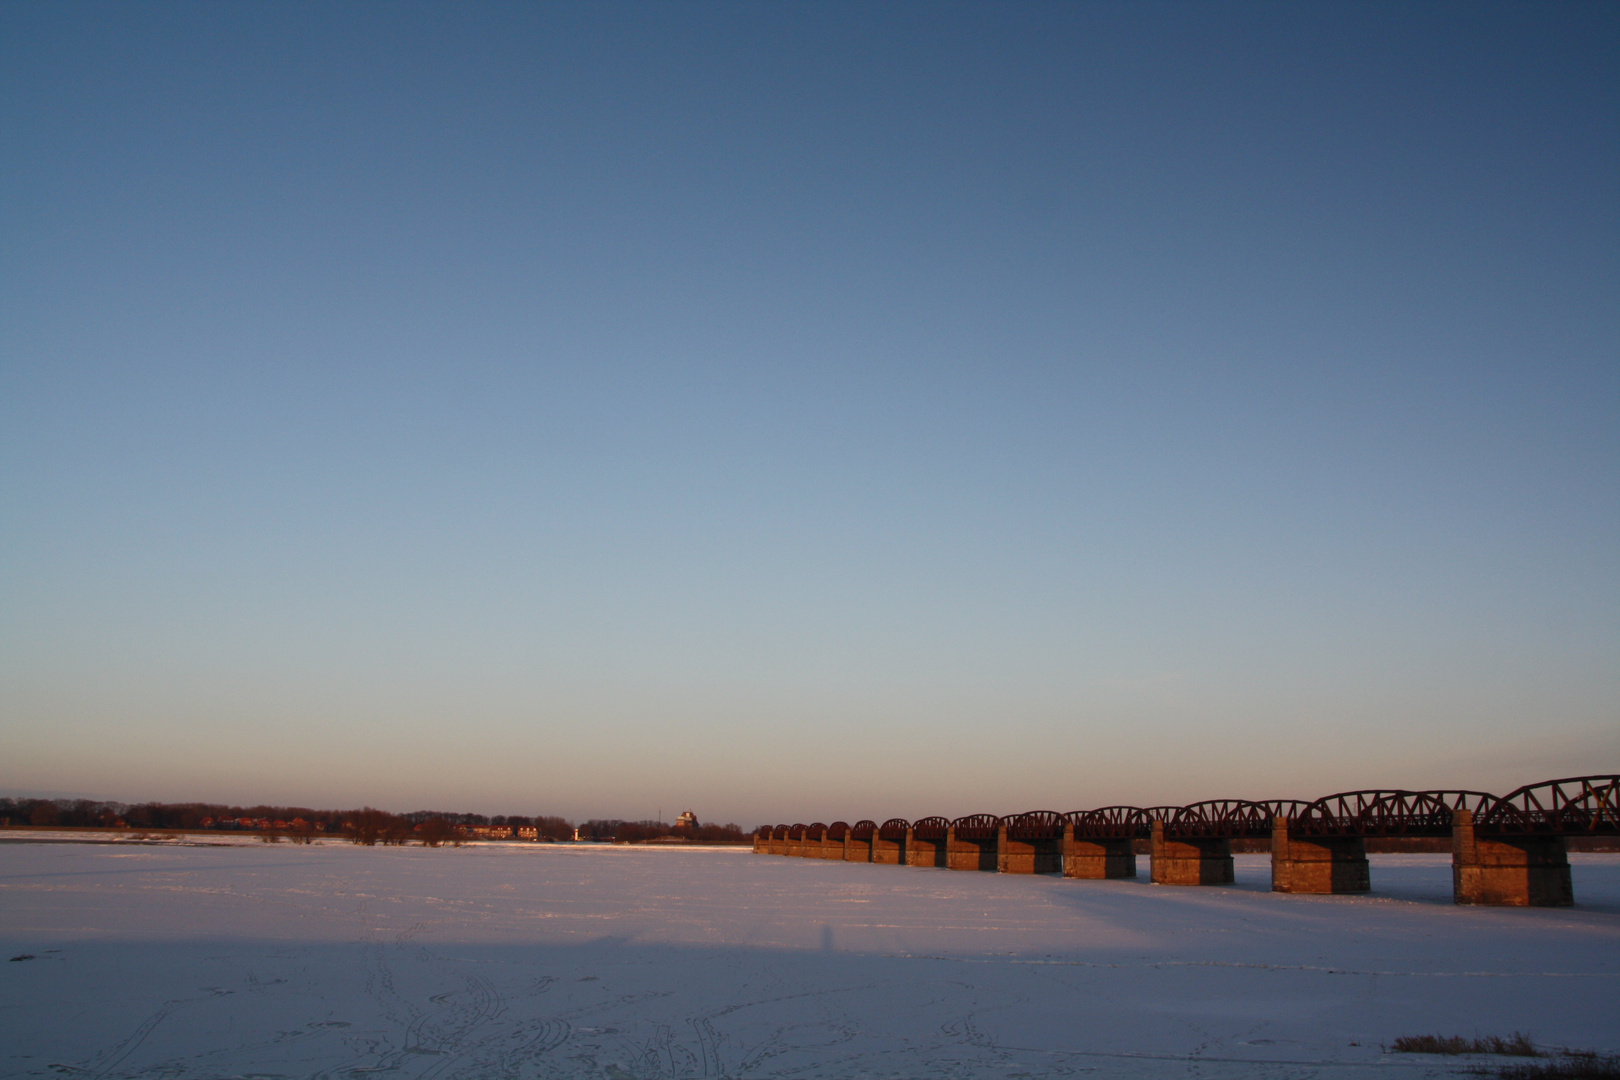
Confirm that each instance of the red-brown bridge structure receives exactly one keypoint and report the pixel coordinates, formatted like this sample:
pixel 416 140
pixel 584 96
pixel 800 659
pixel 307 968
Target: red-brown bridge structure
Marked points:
pixel 858 844
pixel 1506 849
pixel 889 842
pixel 926 842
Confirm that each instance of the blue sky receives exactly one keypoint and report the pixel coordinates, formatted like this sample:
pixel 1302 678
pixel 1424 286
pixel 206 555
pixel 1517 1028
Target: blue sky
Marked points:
pixel 807 411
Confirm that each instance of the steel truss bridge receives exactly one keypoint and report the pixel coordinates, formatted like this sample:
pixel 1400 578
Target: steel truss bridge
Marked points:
pixel 1317 845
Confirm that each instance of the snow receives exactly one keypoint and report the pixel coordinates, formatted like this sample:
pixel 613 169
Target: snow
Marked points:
pixel 504 960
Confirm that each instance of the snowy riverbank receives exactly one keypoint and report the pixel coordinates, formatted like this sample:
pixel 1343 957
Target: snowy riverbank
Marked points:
pixel 563 960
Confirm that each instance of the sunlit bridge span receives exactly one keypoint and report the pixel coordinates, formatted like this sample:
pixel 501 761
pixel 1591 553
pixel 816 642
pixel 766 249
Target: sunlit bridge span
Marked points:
pixel 1508 849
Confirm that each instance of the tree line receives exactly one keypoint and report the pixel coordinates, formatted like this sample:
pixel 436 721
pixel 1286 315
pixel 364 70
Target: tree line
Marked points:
pixel 366 825
pixel 639 832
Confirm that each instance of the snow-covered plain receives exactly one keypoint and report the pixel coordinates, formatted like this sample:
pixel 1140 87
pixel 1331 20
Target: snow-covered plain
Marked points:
pixel 516 961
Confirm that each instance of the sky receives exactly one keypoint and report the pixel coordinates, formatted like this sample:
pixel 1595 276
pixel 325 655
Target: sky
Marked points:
pixel 806 411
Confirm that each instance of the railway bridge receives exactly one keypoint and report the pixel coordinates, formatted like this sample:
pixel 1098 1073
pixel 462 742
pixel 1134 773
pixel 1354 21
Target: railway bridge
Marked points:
pixel 1507 849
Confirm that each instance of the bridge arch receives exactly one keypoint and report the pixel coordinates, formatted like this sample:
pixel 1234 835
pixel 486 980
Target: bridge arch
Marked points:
pixel 1576 806
pixel 1111 822
pixel 1383 813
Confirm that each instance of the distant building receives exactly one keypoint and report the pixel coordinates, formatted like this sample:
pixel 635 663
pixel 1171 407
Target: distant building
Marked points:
pixel 687 820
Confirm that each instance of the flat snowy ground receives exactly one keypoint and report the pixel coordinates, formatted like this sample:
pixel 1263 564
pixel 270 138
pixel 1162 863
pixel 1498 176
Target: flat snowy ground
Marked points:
pixel 580 961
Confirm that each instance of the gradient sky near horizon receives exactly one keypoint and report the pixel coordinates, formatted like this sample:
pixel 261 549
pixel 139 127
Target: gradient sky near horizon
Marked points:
pixel 799 411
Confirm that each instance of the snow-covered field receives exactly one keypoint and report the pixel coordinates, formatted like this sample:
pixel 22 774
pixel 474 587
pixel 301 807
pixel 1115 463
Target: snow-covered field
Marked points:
pixel 568 960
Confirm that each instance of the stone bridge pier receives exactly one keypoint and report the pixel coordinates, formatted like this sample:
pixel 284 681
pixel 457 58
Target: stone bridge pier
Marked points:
pixel 970 852
pixel 1517 871
pixel 889 852
pixel 1096 857
pixel 1195 860
pixel 1031 855
pixel 858 843
pixel 925 850
pixel 1317 864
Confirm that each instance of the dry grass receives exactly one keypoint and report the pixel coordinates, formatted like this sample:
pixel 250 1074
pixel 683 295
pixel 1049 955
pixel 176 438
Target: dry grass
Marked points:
pixel 1565 1065
pixel 1570 1065
pixel 1516 1045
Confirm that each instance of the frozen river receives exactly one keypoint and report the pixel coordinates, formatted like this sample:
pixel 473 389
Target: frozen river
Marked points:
pixel 580 961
